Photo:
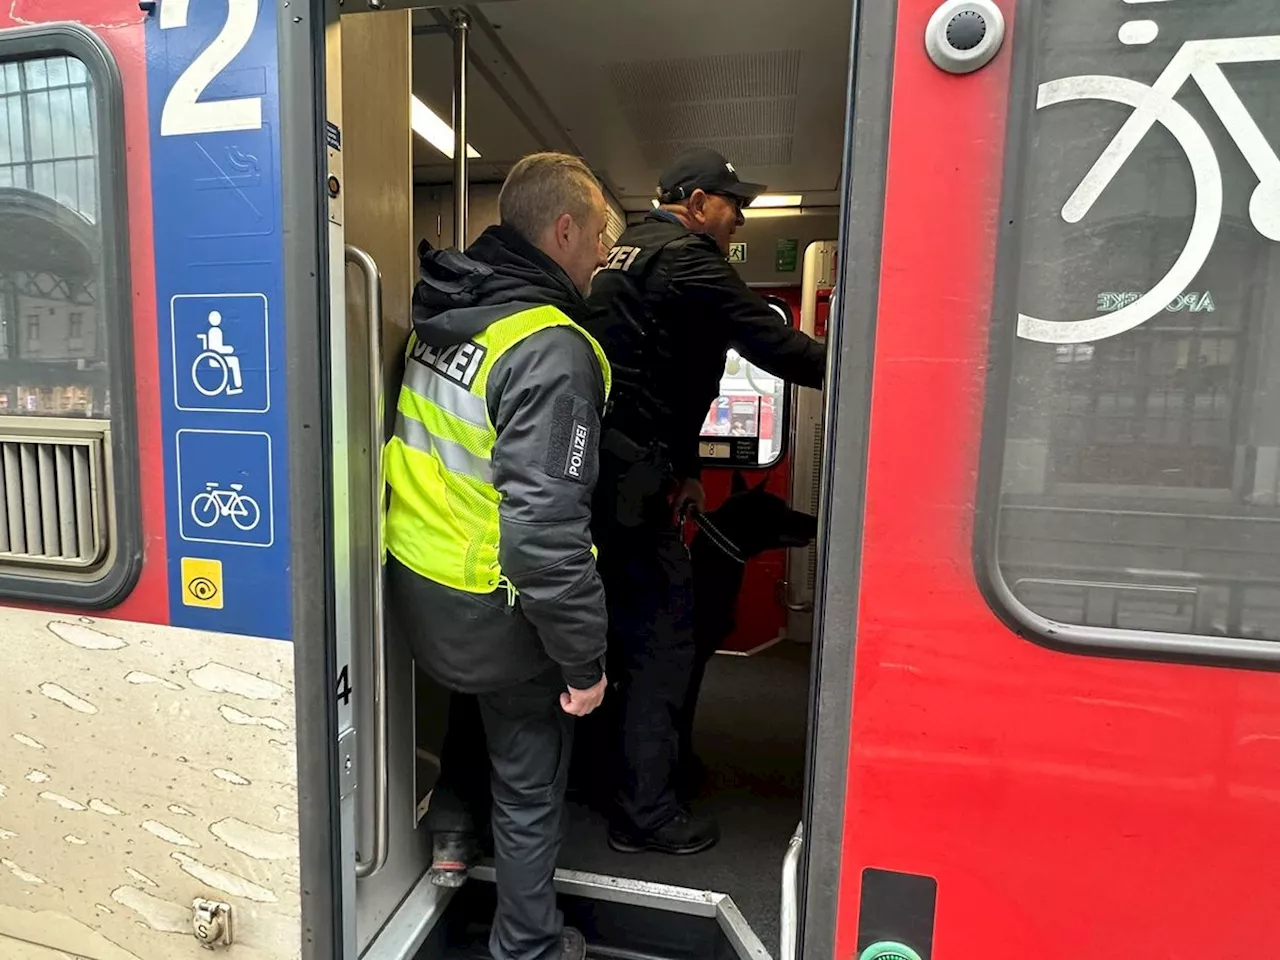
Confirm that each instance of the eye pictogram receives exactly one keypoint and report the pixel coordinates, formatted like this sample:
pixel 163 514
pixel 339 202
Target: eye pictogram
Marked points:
pixel 202 588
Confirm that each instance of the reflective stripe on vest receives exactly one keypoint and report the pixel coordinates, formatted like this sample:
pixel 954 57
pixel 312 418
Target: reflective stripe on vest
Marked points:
pixel 442 519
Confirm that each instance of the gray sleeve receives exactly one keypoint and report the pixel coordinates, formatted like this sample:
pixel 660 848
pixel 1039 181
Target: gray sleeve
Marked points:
pixel 545 397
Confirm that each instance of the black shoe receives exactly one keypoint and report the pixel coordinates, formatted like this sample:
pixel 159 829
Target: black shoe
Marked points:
pixel 452 857
pixel 681 835
pixel 573 945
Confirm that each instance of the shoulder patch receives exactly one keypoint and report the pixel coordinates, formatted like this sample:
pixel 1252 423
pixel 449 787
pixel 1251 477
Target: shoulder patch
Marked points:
pixel 572 445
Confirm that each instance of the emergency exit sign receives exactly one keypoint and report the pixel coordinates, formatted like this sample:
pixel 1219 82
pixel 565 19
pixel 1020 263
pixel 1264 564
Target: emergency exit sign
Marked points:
pixel 737 253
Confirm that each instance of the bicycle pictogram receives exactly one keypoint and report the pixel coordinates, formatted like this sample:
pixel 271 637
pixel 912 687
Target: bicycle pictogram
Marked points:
pixel 1201 61
pixel 211 505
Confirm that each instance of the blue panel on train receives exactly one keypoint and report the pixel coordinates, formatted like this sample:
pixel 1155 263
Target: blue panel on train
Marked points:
pixel 212 79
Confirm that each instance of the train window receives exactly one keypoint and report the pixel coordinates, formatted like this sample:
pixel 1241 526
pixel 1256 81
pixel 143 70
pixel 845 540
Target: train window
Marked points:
pixel 747 422
pixel 1134 439
pixel 67 479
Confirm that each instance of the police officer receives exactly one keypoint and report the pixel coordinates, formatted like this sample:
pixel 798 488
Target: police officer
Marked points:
pixel 491 569
pixel 666 307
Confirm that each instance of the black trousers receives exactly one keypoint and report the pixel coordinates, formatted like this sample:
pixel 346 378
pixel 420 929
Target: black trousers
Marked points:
pixel 504 764
pixel 649 584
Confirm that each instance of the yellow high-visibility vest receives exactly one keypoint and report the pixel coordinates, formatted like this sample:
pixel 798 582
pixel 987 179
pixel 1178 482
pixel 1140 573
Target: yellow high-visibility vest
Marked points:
pixel 442 518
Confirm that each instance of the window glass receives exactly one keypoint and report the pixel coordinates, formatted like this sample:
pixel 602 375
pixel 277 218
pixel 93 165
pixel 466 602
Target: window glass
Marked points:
pixel 53 344
pixel 747 423
pixel 1141 462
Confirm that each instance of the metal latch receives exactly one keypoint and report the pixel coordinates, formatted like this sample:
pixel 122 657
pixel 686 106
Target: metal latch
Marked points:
pixel 211 923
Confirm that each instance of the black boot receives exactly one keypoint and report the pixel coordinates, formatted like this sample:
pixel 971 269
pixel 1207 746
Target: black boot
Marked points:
pixel 573 945
pixel 453 855
pixel 681 835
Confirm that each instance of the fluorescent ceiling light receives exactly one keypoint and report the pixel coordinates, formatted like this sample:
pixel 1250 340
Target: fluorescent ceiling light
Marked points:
pixel 435 131
pixel 776 200
pixel 751 213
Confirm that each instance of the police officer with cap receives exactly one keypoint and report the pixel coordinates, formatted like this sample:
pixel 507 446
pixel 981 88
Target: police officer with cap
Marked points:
pixel 666 307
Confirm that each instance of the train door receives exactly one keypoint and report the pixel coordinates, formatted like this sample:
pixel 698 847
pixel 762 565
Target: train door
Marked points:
pixel 162 567
pixel 369 145
pixel 1046 710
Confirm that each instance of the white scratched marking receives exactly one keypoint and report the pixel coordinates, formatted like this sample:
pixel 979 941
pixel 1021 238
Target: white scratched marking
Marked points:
pixel 138 678
pixel 85 638
pixel 7 834
pixel 1138 33
pixel 226 882
pixel 180 811
pixel 230 776
pixel 67 698
pixel 103 907
pixel 168 834
pixel 104 808
pixel 64 802
pixel 157 914
pixel 241 719
pixel 142 878
pixel 26 741
pixel 21 874
pixel 254 841
pixel 75 841
pixel 38 776
pixel 219 678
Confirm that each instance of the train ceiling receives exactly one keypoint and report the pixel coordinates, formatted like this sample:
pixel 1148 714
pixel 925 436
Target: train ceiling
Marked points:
pixel 628 83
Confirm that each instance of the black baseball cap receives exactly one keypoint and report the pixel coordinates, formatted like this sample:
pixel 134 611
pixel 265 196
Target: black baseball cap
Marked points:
pixel 704 169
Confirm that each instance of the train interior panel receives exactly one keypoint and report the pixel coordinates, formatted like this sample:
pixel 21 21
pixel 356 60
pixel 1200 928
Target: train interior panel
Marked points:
pixel 628 89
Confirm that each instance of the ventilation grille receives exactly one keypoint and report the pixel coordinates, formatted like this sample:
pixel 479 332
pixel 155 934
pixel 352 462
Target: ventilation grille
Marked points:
pixel 52 510
pixel 675 104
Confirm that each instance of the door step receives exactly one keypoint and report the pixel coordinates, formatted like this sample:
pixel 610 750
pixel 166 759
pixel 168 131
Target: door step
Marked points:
pixel 622 919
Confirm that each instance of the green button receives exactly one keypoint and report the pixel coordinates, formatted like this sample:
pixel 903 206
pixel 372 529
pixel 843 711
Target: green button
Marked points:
pixel 887 950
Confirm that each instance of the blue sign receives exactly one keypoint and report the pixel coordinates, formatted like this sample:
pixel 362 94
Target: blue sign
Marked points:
pixel 225 488
pixel 213 97
pixel 221 352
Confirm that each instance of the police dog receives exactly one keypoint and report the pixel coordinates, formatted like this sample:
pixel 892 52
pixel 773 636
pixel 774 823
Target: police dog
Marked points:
pixel 752 521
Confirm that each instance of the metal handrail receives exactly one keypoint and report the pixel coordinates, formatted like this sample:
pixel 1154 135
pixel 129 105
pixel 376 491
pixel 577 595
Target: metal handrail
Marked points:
pixel 366 868
pixel 789 918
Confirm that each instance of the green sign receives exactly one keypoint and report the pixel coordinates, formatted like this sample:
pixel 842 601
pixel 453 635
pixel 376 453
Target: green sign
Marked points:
pixel 737 253
pixel 786 255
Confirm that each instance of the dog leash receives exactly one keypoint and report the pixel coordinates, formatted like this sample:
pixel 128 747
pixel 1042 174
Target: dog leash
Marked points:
pixel 714 534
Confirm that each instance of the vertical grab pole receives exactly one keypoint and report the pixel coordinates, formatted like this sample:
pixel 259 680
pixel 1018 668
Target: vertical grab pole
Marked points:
pixel 461 40
pixel 789 918
pixel 377 688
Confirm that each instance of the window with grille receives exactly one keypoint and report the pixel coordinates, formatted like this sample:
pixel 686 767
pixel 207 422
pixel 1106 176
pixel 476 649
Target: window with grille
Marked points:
pixel 68 472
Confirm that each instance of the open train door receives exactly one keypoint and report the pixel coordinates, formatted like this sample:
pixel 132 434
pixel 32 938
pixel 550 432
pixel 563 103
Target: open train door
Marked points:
pixel 1050 488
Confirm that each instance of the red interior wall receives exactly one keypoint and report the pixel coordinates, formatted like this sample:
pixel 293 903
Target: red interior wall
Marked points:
pixel 761 614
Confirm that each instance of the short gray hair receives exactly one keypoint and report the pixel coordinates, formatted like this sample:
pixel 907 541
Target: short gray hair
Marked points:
pixel 543 186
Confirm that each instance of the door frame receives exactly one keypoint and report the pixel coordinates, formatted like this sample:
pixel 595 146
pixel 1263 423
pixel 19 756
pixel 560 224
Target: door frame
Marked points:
pixel 324 849
pixel 851 349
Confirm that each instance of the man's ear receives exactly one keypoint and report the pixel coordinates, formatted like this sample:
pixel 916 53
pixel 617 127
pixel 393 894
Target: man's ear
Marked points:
pixel 697 204
pixel 564 231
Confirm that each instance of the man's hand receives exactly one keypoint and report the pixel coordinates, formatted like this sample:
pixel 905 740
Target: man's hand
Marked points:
pixel 578 703
pixel 690 491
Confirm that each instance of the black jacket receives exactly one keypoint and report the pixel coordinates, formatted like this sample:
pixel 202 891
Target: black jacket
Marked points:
pixel 538 392
pixel 666 308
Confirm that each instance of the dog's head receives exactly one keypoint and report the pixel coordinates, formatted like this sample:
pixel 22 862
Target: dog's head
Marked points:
pixel 756 520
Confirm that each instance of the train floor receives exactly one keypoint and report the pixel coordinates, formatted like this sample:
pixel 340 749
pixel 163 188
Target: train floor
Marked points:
pixel 750 732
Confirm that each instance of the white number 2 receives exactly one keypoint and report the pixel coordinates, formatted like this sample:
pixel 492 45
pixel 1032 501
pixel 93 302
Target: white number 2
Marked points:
pixel 183 112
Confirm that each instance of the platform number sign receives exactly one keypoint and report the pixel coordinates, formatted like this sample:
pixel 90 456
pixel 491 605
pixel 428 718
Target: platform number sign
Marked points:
pixel 184 112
